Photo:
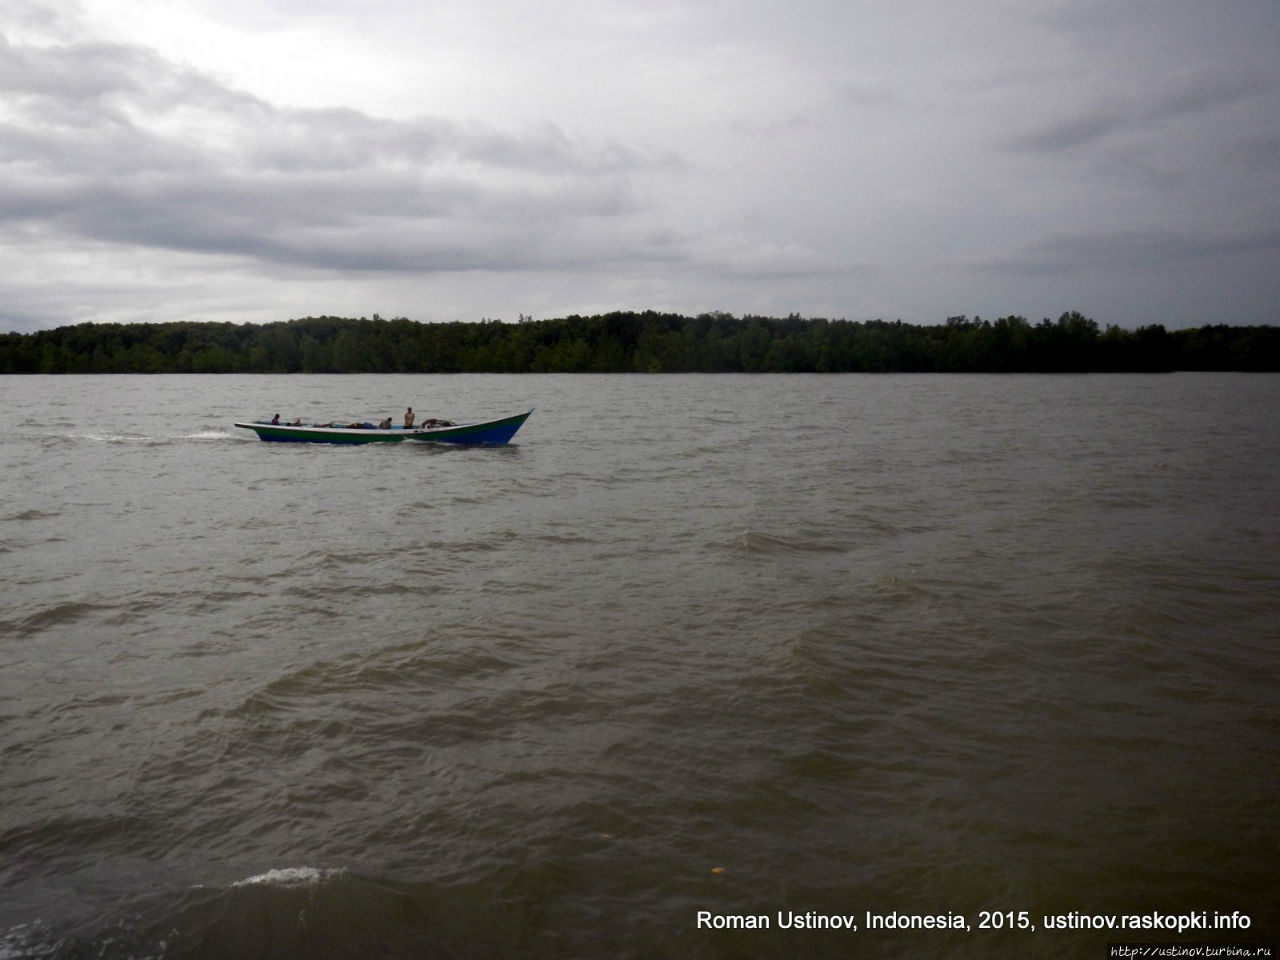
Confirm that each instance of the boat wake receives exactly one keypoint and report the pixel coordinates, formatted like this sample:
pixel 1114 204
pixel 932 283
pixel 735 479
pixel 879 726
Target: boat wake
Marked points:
pixel 134 438
pixel 144 440
pixel 212 435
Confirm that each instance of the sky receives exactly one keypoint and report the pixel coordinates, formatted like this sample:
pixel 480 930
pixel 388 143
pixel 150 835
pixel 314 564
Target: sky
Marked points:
pixel 261 160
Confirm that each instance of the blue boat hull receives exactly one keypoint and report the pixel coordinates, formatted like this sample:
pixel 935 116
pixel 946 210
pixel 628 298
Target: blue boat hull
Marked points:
pixel 486 432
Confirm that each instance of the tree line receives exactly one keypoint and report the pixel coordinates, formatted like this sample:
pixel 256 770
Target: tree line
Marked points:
pixel 648 342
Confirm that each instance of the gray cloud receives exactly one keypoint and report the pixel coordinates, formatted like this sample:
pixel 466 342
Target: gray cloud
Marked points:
pixel 1072 132
pixel 113 143
pixel 1207 91
pixel 1186 98
pixel 1128 250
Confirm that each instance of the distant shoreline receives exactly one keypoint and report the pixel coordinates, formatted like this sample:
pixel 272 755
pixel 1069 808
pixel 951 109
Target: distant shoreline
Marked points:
pixel 647 342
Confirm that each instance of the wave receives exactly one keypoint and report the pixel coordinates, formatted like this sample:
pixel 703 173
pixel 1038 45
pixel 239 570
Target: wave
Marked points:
pixel 61 613
pixel 28 515
pixel 28 941
pixel 291 877
pixel 282 913
pixel 754 541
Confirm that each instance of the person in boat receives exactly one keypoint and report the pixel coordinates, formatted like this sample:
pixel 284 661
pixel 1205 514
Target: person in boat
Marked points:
pixel 385 424
pixel 408 419
pixel 296 423
pixel 275 421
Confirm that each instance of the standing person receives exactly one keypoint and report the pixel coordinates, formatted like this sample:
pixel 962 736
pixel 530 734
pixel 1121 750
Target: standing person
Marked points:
pixel 408 419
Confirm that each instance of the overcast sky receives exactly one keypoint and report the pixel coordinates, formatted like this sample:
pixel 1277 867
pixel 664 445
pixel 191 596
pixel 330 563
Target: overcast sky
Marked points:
pixel 259 160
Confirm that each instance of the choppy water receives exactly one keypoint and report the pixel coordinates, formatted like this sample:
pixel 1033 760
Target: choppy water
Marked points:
pixel 739 645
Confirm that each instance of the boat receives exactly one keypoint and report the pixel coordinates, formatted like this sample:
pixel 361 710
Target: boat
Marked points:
pixel 488 432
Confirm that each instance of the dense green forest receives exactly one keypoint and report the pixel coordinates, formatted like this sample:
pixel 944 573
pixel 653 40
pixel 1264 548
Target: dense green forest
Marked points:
pixel 637 342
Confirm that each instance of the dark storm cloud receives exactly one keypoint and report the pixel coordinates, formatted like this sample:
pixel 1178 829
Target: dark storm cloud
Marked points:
pixel 1129 250
pixel 1180 100
pixel 112 143
pixel 1072 132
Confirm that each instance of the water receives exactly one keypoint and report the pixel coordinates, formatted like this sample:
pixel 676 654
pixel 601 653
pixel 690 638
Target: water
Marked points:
pixel 737 645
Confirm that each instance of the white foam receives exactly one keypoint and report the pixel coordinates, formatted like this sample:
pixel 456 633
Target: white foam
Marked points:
pixel 25 941
pixel 290 877
pixel 211 435
pixel 113 437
